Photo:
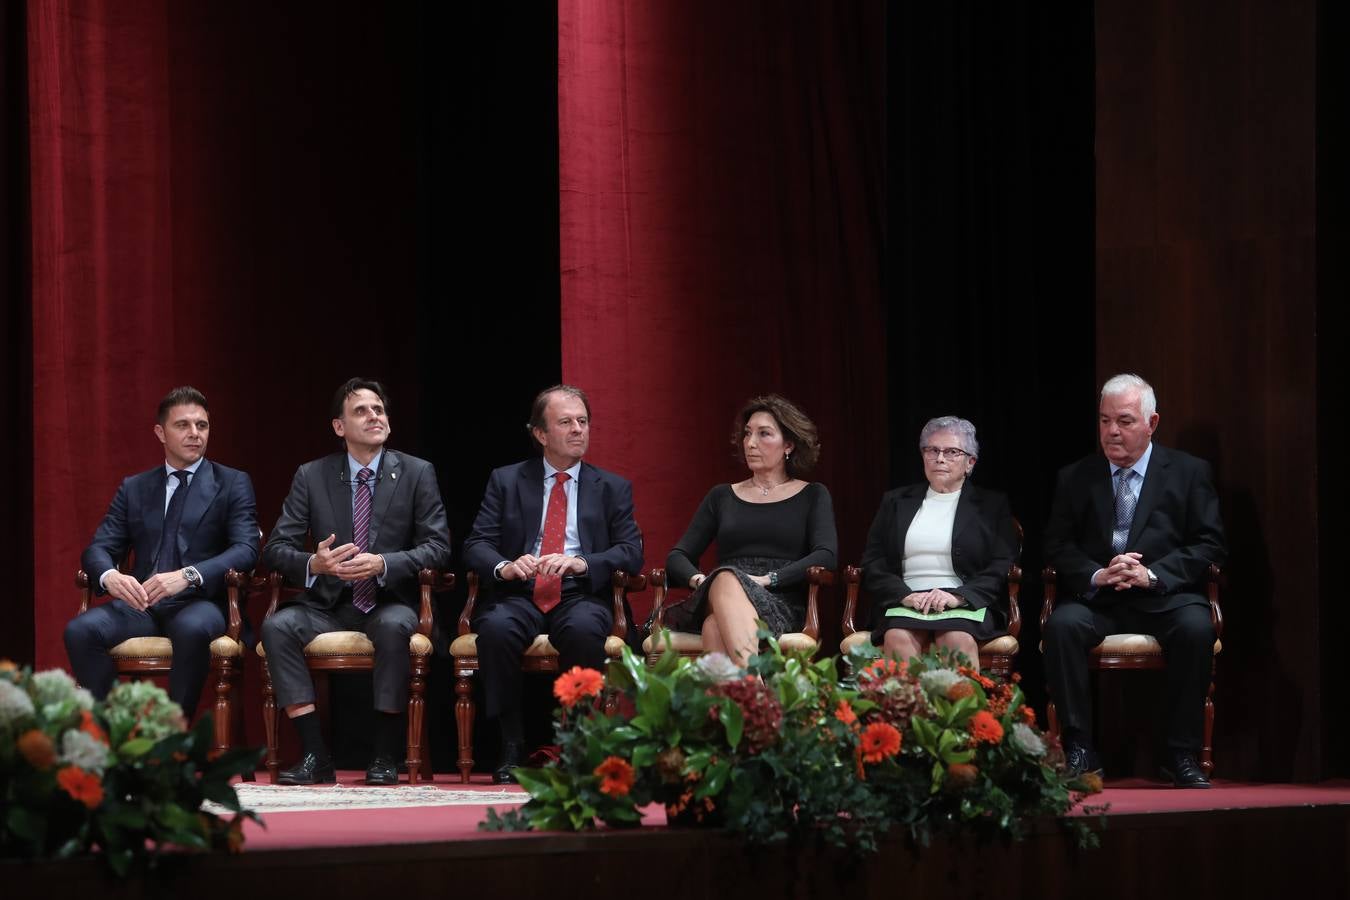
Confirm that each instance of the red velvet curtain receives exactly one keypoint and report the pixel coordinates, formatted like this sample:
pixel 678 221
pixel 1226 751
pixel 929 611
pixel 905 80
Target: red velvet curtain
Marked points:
pixel 722 196
pixel 105 328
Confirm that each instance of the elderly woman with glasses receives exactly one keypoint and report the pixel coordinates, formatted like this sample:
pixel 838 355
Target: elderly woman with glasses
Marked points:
pixel 937 555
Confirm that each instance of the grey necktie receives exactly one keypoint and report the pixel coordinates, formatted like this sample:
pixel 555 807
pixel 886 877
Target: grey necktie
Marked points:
pixel 1125 503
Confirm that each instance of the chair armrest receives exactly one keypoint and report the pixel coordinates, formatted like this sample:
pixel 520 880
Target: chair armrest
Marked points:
pixel 622 583
pixel 1014 594
pixel 1048 578
pixel 466 615
pixel 853 583
pixel 236 582
pixel 431 581
pixel 815 577
pixel 657 579
pixel 1212 589
pixel 86 591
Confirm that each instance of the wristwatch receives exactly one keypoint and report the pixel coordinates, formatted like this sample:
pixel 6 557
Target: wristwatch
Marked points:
pixel 1152 580
pixel 773 579
pixel 192 576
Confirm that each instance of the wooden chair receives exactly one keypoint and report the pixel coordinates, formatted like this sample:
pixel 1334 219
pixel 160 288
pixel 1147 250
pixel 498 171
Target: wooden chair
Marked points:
pixel 540 656
pixel 352 651
pixel 996 655
pixel 150 656
pixel 690 644
pixel 1142 651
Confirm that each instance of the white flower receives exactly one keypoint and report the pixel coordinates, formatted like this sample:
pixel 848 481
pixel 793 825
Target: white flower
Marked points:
pixel 14 703
pixel 84 700
pixel 83 750
pixel 719 667
pixel 52 686
pixel 937 681
pixel 1027 740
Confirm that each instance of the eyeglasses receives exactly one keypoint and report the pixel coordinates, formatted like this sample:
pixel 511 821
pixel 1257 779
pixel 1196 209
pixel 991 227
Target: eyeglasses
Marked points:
pixel 951 454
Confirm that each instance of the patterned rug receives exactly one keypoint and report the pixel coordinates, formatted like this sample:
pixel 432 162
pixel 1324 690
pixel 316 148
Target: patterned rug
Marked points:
pixel 271 798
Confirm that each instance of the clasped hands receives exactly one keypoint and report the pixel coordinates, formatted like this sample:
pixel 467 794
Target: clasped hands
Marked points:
pixel 527 566
pixel 1123 572
pixel 143 595
pixel 933 601
pixel 346 562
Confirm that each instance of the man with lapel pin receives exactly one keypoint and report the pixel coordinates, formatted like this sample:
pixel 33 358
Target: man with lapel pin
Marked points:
pixel 548 537
pixel 375 518
pixel 189 522
pixel 1132 538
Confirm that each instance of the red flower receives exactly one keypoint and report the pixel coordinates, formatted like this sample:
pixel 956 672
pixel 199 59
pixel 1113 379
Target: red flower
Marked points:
pixel 1028 714
pixel 985 729
pixel 882 668
pixel 845 713
pixel 576 683
pixel 879 741
pixel 81 785
pixel 90 727
pixel 616 776
pixel 38 749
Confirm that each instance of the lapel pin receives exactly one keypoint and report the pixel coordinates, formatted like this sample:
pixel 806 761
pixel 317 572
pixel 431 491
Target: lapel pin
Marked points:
pixel 393 475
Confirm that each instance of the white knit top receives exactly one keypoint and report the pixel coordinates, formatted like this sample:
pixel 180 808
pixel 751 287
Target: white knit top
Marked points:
pixel 928 543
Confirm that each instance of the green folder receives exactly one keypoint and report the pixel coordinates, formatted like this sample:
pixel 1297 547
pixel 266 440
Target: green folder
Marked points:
pixel 972 615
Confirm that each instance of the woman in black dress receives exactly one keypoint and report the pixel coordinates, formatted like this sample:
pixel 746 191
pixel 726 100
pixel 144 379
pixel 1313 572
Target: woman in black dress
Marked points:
pixel 937 556
pixel 769 528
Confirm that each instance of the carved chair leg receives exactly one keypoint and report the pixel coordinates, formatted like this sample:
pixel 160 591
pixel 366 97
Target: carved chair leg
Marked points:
pixel 1207 751
pixel 222 674
pixel 417 685
pixel 237 712
pixel 1051 719
pixel 270 725
pixel 464 713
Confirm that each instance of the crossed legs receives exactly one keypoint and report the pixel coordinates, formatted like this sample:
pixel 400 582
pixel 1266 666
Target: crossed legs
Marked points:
pixel 732 625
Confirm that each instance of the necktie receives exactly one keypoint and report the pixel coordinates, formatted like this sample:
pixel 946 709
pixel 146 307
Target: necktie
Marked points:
pixel 363 591
pixel 1125 503
pixel 548 588
pixel 168 558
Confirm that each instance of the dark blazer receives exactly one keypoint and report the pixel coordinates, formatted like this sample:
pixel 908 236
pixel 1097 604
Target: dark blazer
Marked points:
pixel 984 545
pixel 508 523
pixel 1176 527
pixel 407 525
pixel 218 532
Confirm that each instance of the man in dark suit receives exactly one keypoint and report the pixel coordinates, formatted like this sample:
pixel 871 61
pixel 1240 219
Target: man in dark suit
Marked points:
pixel 1132 538
pixel 375 518
pixel 549 536
pixel 188 521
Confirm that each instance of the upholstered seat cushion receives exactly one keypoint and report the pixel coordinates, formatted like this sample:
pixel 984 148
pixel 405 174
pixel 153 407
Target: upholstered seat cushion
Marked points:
pixel 1136 645
pixel 153 647
pixel 466 645
pixel 353 643
pixel 689 644
pixel 1003 645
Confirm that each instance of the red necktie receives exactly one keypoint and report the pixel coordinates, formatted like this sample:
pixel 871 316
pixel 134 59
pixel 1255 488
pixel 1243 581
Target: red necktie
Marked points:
pixel 548 588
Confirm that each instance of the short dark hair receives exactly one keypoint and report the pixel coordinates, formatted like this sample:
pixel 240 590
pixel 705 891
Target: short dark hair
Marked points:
pixel 351 386
pixel 180 396
pixel 541 404
pixel 795 425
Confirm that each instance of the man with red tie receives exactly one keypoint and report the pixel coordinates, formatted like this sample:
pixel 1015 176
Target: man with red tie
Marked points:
pixel 374 518
pixel 548 537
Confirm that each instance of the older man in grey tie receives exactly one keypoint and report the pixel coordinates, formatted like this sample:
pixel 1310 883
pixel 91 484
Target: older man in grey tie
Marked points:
pixel 1132 537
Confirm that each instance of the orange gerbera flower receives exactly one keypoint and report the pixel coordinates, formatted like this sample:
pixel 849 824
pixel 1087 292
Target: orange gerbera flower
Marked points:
pixel 91 727
pixel 1028 714
pixel 879 741
pixel 884 667
pixel 576 683
pixel 844 713
pixel 616 776
pixel 985 729
pixel 81 785
pixel 38 749
pixel 959 690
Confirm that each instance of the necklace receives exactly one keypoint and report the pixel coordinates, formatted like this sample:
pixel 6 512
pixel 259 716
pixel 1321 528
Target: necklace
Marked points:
pixel 765 490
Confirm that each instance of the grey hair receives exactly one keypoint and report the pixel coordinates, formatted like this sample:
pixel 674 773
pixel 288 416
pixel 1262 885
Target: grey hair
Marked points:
pixel 1128 381
pixel 962 428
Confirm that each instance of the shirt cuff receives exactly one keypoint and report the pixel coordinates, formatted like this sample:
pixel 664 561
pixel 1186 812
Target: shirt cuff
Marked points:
pixel 310 577
pixel 384 570
pixel 102 577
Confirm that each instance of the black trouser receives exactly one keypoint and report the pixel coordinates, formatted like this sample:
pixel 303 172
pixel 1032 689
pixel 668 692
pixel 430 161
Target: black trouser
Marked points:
pixel 1187 638
pixel 189 625
pixel 390 625
pixel 506 625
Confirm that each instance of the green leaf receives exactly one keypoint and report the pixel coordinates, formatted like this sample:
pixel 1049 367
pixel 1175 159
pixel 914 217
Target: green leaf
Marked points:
pixel 654 703
pixel 734 722
pixel 135 747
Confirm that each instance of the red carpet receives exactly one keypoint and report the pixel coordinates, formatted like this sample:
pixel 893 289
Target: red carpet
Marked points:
pixel 375 827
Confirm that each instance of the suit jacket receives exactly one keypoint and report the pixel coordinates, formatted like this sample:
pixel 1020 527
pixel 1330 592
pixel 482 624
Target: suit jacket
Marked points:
pixel 1176 527
pixel 984 545
pixel 218 531
pixel 508 522
pixel 407 525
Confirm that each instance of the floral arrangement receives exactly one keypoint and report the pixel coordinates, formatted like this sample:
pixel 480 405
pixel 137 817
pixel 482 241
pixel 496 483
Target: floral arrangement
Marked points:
pixel 788 748
pixel 125 775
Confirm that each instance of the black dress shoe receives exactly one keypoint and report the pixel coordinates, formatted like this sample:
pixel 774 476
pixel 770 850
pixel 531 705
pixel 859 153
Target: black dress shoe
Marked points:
pixel 1184 772
pixel 512 753
pixel 310 769
pixel 1080 759
pixel 382 770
